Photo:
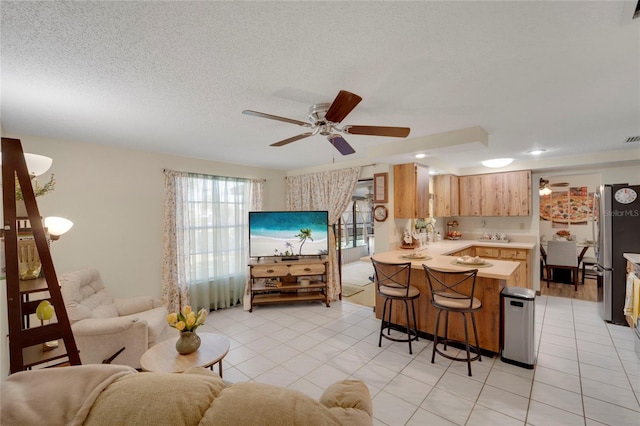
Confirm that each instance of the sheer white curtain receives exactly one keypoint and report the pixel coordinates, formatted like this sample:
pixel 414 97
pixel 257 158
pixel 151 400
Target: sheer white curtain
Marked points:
pixel 331 191
pixel 206 239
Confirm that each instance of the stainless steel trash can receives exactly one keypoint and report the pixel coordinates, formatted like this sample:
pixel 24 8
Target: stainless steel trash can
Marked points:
pixel 518 326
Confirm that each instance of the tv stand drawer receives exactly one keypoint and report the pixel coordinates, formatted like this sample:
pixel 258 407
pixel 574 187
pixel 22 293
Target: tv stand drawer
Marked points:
pixel 310 269
pixel 268 271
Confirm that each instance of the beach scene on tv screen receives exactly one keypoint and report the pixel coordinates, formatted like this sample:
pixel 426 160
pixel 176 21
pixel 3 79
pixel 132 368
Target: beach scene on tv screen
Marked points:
pixel 288 233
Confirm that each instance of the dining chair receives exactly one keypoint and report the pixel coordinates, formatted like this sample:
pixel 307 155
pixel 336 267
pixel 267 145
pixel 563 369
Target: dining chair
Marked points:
pixel 393 283
pixel 543 261
pixel 562 255
pixel 588 268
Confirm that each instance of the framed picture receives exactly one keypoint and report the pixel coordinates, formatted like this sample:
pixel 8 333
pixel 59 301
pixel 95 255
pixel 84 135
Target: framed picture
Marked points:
pixel 380 188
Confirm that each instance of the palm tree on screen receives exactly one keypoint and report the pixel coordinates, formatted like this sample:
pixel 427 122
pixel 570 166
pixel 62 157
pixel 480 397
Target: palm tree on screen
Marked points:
pixel 304 234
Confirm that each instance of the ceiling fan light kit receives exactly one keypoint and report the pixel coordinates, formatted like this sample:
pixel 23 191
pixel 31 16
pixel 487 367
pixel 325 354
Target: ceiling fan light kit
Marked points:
pixel 324 119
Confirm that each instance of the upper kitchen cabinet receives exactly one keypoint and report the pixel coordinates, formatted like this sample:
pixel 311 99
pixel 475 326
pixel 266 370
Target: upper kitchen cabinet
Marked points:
pixel 446 196
pixel 470 195
pixel 496 194
pixel 516 187
pixel 411 191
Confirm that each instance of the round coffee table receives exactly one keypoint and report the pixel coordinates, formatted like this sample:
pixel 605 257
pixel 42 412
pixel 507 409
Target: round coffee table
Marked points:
pixel 164 358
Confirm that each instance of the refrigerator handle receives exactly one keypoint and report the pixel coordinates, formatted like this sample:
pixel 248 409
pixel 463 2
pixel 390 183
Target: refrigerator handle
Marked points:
pixel 595 207
pixel 599 270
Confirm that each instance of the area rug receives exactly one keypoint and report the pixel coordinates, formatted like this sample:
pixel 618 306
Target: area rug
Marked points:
pixel 349 290
pixel 364 298
pixel 357 273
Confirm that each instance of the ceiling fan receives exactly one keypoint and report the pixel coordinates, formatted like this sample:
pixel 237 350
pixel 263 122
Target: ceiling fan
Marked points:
pixel 324 119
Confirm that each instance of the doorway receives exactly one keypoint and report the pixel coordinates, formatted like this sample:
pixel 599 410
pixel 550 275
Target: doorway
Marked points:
pixel 566 212
pixel 356 236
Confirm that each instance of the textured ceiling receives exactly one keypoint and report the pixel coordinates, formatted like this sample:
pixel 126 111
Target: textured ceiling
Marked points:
pixel 174 77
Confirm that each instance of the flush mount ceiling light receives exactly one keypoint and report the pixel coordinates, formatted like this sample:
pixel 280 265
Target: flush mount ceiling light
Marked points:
pixel 421 155
pixel 536 151
pixel 544 187
pixel 497 162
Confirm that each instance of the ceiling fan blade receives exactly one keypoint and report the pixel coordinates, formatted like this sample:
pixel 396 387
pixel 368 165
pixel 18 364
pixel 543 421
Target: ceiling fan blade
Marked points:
pixel 292 139
pixel 341 106
pixel 396 132
pixel 341 144
pixel 276 117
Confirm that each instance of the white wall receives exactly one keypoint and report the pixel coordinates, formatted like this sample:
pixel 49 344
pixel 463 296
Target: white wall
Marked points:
pixel 114 196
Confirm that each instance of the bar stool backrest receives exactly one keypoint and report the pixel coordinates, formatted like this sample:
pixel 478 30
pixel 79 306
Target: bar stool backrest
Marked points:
pixel 456 286
pixel 392 275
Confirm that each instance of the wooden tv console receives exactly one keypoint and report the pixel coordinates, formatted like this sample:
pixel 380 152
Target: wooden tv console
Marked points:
pixel 285 281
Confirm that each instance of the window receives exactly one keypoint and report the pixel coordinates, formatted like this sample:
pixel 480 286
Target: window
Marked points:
pixel 218 209
pixel 206 238
pixel 357 219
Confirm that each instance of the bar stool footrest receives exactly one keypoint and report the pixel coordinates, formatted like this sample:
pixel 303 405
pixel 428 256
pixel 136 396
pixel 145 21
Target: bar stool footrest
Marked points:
pixel 475 352
pixel 411 338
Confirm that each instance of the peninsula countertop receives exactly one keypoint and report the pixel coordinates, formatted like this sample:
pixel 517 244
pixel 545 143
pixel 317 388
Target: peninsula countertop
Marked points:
pixel 450 246
pixel 498 269
pixel 490 280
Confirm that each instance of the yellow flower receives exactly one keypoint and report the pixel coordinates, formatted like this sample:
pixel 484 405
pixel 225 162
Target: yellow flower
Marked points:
pixel 202 316
pixel 191 320
pixel 180 325
pixel 186 310
pixel 172 318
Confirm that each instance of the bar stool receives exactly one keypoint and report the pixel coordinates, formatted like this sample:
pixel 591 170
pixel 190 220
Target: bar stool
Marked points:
pixel 393 284
pixel 453 291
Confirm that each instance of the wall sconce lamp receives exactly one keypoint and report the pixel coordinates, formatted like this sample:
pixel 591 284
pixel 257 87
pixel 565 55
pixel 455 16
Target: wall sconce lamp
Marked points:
pixel 544 187
pixel 57 226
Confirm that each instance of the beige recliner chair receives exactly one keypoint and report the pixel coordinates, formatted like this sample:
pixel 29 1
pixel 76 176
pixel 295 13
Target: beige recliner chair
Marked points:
pixel 102 325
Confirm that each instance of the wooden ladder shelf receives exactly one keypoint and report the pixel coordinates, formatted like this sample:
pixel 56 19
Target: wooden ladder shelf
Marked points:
pixel 25 344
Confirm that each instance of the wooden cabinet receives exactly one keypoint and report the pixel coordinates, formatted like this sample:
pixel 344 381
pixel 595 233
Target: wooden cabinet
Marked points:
pixel 516 200
pixel 470 251
pixel 496 194
pixel 522 277
pixel 446 196
pixel 470 195
pixel 288 281
pixel 410 191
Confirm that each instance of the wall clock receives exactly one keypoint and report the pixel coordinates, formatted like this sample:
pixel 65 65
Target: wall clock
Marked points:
pixel 626 195
pixel 380 213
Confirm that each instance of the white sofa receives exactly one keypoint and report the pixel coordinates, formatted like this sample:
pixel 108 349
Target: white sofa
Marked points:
pixel 102 325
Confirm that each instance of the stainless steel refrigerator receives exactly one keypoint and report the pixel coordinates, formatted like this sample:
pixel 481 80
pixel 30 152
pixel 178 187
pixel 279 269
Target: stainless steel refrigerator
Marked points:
pixel 616 231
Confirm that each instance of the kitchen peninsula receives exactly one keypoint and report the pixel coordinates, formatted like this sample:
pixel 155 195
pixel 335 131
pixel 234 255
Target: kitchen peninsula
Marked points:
pixel 491 279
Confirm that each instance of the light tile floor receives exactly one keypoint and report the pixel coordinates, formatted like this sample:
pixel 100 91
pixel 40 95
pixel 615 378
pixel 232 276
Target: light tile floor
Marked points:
pixel 587 371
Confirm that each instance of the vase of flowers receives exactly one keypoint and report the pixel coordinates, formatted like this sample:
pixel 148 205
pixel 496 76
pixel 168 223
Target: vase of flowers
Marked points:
pixel 187 321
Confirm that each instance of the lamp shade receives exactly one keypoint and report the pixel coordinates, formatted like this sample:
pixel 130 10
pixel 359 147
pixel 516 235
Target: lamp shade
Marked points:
pixel 57 226
pixel 544 191
pixel 544 187
pixel 36 164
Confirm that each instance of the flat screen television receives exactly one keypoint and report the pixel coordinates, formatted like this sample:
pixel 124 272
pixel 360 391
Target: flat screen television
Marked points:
pixel 288 233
